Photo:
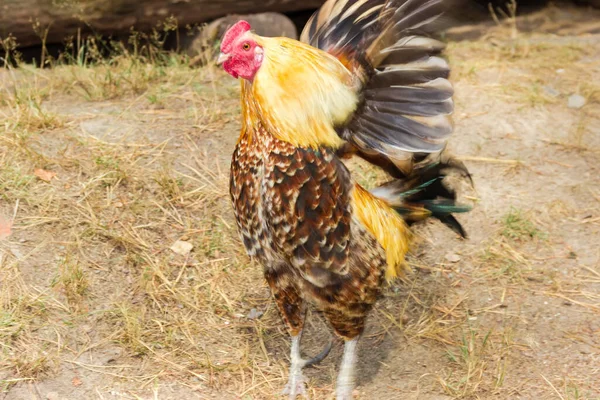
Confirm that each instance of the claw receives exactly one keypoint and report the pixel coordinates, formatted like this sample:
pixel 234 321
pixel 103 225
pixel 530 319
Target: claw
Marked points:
pixel 319 357
pixel 296 383
pixel 295 386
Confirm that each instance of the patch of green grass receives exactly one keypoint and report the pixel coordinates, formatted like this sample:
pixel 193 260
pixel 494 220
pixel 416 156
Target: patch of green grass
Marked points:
pixel 28 363
pixel 172 187
pixel 23 315
pixel 573 392
pixel 24 110
pixel 13 179
pixel 112 172
pixel 129 324
pixel 9 325
pixel 517 226
pixel 470 356
pixel 107 162
pixel 367 175
pixel 72 281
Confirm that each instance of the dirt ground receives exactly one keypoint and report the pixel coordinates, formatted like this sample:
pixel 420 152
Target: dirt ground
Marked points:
pixel 104 167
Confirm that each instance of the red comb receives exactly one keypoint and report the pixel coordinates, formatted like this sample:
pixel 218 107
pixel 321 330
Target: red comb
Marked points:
pixel 232 34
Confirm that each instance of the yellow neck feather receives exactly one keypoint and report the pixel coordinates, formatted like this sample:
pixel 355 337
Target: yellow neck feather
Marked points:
pixel 299 94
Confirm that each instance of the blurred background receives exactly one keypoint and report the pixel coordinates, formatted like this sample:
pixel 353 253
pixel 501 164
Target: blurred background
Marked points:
pixel 188 25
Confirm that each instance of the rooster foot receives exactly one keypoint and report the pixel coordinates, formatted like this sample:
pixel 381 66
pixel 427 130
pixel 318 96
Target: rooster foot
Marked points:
pixel 296 386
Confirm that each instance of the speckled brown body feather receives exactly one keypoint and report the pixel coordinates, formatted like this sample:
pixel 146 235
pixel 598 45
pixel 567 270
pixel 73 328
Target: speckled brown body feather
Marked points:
pixel 294 212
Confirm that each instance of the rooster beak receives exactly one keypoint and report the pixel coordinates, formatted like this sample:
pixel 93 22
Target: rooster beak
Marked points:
pixel 222 58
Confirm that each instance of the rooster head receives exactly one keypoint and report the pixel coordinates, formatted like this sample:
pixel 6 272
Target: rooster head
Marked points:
pixel 241 56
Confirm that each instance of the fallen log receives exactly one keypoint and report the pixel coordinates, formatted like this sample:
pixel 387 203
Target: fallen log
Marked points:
pixel 33 22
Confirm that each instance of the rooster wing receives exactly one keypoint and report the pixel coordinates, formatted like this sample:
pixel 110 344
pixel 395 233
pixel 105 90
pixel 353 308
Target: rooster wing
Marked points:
pixel 406 98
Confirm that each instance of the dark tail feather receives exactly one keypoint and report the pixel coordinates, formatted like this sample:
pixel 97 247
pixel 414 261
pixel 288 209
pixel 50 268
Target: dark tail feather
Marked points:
pixel 444 214
pixel 424 194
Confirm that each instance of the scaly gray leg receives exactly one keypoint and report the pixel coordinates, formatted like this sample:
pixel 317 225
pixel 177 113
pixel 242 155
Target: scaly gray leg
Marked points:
pixel 345 381
pixel 296 382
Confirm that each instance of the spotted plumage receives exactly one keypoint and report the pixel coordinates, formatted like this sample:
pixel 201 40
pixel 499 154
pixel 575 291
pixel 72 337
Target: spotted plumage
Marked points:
pixel 364 81
pixel 294 210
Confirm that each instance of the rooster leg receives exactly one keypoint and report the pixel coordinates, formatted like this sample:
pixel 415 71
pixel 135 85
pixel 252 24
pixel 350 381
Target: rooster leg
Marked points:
pixel 295 385
pixel 349 328
pixel 345 380
pixel 292 309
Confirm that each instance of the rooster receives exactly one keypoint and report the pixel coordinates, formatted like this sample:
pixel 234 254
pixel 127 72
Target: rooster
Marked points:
pixel 363 80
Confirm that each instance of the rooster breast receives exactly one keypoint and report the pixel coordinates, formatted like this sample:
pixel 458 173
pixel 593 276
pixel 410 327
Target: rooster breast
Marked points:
pixel 247 168
pixel 294 212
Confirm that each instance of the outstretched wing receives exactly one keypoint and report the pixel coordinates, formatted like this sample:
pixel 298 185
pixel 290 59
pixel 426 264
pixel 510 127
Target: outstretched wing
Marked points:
pixel 406 96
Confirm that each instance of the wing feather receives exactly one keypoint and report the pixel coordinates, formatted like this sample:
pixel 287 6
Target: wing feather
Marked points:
pixel 406 96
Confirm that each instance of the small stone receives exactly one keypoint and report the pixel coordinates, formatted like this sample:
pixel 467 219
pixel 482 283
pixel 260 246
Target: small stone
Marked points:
pixel 268 24
pixel 550 91
pixel 254 314
pixel 182 248
pixel 52 396
pixel 452 257
pixel 560 71
pixel 576 101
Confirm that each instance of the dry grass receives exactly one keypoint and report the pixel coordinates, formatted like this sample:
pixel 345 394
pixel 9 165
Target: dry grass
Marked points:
pixel 96 238
pixel 140 145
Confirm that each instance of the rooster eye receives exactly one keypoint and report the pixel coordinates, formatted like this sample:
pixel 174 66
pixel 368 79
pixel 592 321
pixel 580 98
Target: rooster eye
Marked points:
pixel 246 46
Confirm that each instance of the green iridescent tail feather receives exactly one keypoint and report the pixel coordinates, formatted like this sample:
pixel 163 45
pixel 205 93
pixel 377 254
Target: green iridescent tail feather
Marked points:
pixel 424 194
